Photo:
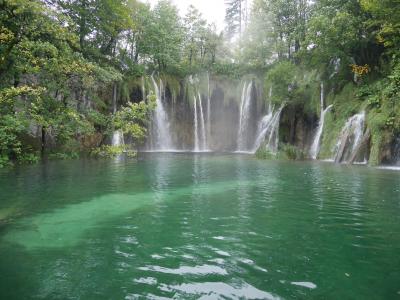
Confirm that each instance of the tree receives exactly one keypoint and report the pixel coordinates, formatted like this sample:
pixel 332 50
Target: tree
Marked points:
pixel 195 30
pixel 235 17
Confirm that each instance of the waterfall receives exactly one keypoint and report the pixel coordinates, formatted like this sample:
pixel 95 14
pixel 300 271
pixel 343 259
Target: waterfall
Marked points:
pixel 196 125
pixel 314 151
pixel 336 66
pixel 202 126
pixel 263 128
pixel 161 138
pixel 273 138
pixel 268 130
pixel 200 138
pixel 208 108
pixel 350 138
pixel 117 138
pixel 244 116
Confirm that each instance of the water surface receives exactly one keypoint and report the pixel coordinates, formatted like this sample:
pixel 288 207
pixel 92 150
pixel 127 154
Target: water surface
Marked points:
pixel 199 226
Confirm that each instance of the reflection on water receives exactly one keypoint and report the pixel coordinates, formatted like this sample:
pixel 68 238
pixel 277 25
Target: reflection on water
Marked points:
pixel 199 226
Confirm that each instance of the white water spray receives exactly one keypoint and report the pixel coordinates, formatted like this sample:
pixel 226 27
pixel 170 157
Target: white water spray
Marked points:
pixel 268 130
pixel 117 138
pixel 315 147
pixel 196 125
pixel 208 108
pixel 244 116
pixel 161 138
pixel 202 126
pixel 350 137
pixel 200 137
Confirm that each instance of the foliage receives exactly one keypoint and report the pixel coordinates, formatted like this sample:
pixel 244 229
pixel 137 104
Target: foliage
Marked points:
pixel 264 153
pixel 282 79
pixel 107 151
pixel 132 118
pixel 291 152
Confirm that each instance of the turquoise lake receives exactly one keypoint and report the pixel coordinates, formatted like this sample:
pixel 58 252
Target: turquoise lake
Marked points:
pixel 191 226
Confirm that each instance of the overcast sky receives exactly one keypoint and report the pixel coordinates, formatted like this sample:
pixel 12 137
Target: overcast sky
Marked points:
pixel 212 10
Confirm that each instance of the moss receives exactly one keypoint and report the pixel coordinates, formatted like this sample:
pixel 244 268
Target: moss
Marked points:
pixel 290 152
pixel 264 153
pixel 173 84
pixel 376 142
pixel 286 152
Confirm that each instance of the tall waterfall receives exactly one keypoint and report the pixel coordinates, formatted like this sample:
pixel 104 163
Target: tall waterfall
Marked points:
pixel 314 151
pixel 268 130
pixel 161 136
pixel 244 117
pixel 118 136
pixel 350 137
pixel 200 137
pixel 196 126
pixel 208 108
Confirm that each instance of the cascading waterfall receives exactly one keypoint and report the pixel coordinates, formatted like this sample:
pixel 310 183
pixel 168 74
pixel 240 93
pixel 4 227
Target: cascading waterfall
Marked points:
pixel 208 108
pixel 314 151
pixel 263 128
pixel 196 125
pixel 273 137
pixel 161 137
pixel 118 136
pixel 244 117
pixel 350 137
pixel 202 125
pixel 200 138
pixel 268 130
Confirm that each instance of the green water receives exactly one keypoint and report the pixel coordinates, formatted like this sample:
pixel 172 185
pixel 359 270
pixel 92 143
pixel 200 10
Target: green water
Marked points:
pixel 205 226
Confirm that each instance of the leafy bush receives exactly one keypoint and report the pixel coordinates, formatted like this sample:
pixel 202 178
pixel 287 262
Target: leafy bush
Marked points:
pixel 108 151
pixel 4 161
pixel 291 152
pixel 264 153
pixel 64 155
pixel 29 158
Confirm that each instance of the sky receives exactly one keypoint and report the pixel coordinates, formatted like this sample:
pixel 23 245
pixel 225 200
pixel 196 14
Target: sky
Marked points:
pixel 212 10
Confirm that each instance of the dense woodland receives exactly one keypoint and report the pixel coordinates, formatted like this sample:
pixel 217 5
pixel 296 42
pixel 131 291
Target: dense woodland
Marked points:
pixel 65 65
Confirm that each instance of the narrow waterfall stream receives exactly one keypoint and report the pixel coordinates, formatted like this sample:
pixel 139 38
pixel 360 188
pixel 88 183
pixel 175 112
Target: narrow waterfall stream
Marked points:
pixel 208 109
pixel 196 125
pixel 203 136
pixel 160 135
pixel 200 137
pixel 117 138
pixel 268 130
pixel 244 117
pixel 315 146
pixel 350 138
